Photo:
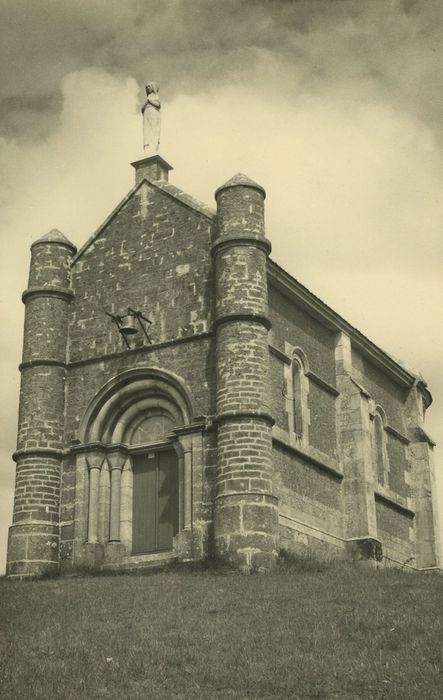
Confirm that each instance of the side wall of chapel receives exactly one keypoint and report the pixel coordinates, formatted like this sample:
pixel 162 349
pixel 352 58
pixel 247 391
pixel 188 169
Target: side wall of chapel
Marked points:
pixel 306 463
pixel 344 487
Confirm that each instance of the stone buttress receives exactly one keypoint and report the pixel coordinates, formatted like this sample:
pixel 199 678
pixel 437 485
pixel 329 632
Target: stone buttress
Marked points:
pixel 33 547
pixel 423 486
pixel 245 509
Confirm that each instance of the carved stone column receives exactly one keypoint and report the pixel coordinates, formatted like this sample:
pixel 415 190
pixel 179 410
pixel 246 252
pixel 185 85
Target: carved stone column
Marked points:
pixel 103 503
pixel 95 461
pixel 187 488
pixel 115 550
pixel 126 505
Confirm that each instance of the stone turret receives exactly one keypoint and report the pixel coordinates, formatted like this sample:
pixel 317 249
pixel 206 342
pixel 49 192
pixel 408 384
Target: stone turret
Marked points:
pixel 33 547
pixel 245 517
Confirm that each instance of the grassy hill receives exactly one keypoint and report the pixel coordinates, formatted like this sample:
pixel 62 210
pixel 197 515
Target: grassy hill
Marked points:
pixel 305 631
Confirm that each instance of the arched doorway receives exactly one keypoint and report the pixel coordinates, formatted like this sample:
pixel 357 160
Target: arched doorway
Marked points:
pixel 136 464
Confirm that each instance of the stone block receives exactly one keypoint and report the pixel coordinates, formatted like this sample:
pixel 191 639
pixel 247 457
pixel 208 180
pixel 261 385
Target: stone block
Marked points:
pixel 17 545
pixel 43 546
pixel 257 541
pixel 114 552
pixel 260 518
pixel 227 518
pixel 262 562
pixel 88 556
pixel 184 545
pixel 32 569
pixel 365 549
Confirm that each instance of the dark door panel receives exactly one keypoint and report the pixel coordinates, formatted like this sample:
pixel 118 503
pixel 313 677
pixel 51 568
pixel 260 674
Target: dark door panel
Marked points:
pixel 155 502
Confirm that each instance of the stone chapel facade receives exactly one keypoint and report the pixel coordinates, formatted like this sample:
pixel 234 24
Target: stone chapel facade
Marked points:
pixel 250 418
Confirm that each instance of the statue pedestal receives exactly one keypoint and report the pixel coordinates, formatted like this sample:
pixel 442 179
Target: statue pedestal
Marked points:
pixel 151 168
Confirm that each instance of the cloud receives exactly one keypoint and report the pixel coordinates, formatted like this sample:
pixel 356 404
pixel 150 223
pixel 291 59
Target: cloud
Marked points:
pixel 390 48
pixel 356 182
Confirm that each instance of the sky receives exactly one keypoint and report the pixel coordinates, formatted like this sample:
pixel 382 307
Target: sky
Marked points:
pixel 334 106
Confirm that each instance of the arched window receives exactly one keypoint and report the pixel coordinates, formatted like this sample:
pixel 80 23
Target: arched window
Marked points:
pixel 297 396
pixel 380 458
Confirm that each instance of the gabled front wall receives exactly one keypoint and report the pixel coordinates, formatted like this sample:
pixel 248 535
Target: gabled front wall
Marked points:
pixel 154 256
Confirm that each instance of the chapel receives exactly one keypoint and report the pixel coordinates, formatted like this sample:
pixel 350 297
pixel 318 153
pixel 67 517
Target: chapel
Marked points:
pixel 183 397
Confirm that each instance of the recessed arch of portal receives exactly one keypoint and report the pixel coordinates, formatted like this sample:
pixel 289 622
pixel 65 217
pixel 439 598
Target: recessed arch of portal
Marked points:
pixel 134 397
pixel 137 408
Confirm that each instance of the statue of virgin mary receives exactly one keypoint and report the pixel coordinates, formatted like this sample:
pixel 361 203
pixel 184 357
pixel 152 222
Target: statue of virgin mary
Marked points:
pixel 151 120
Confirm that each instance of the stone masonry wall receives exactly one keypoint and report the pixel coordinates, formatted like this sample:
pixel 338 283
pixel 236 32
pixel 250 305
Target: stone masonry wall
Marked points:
pixel 153 255
pixel 310 497
pixel 193 361
pixel 292 324
pixel 277 391
pixel 322 432
pixel 245 509
pixel 382 389
pixel 396 531
pixel 33 547
pixel 310 505
pixel 293 327
pixel 392 398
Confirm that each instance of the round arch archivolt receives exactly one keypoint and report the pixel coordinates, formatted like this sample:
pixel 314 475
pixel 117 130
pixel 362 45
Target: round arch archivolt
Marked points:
pixel 137 411
pixel 128 394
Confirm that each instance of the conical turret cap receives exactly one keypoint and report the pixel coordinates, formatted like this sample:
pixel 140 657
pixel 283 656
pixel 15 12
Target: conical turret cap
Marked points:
pixel 240 180
pixel 55 236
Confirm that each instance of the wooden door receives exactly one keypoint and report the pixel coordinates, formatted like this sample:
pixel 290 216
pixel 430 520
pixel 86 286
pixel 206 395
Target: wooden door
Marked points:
pixel 155 502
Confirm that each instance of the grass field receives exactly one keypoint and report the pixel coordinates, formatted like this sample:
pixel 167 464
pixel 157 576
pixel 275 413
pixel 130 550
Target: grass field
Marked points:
pixel 306 631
